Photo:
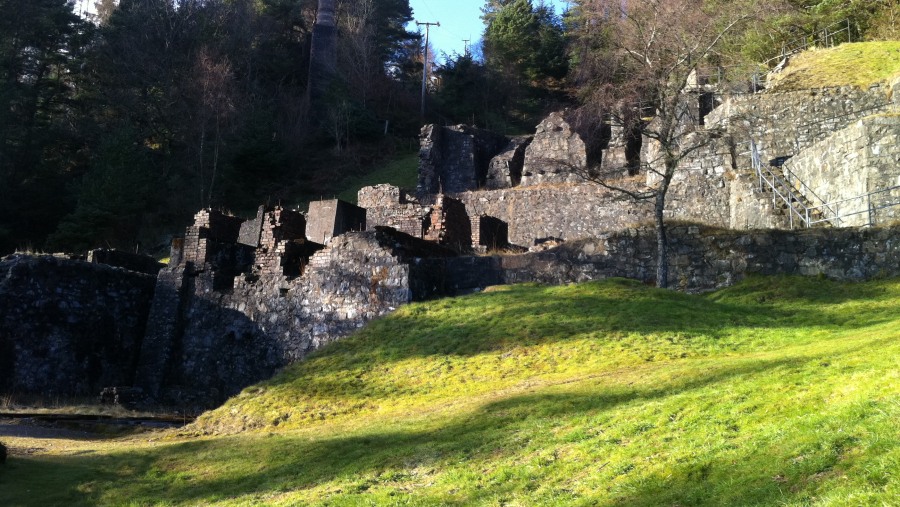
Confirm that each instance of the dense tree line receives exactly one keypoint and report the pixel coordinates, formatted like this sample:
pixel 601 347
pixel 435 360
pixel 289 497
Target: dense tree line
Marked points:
pixel 113 131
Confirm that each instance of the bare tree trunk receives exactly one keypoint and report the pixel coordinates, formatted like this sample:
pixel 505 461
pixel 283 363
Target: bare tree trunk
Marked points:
pixel 662 241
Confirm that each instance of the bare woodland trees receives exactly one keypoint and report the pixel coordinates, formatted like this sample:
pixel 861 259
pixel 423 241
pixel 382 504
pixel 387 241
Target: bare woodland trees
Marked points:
pixel 637 60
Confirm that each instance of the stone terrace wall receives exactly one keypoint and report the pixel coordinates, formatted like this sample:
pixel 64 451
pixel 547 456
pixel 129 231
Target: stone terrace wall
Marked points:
pixel 862 158
pixel 69 327
pixel 701 258
pixel 785 123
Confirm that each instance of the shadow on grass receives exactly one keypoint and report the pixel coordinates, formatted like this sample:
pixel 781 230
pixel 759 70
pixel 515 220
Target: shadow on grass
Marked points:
pixel 259 464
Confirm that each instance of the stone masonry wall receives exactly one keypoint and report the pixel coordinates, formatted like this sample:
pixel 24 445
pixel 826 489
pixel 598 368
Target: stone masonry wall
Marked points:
pixel 390 206
pixel 553 153
pixel 69 327
pixel 567 211
pixel 225 341
pixel 863 158
pixel 701 258
pixel 785 123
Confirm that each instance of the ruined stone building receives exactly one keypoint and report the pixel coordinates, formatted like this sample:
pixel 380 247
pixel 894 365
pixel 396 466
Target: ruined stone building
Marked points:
pixel 242 298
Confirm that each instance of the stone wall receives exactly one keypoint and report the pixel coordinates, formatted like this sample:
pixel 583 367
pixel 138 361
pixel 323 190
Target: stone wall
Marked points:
pixel 69 327
pixel 855 161
pixel 138 263
pixel 505 170
pixel 567 211
pixel 701 258
pixel 390 206
pixel 208 344
pixel 785 123
pixel 330 218
pixel 555 153
pixel 455 159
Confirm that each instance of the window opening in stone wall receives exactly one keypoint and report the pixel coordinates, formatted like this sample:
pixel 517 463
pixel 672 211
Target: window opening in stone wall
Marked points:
pixel 633 143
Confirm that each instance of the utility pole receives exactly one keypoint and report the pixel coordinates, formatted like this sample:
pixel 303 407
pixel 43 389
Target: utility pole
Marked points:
pixel 425 62
pixel 466 42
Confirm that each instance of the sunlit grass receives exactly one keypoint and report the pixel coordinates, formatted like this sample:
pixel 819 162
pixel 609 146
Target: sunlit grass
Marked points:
pixel 779 391
pixel 859 64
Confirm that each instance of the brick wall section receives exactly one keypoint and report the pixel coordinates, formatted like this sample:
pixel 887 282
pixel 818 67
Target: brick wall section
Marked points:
pixel 390 206
pixel 211 228
pixel 449 225
pixel 280 228
pixel 489 233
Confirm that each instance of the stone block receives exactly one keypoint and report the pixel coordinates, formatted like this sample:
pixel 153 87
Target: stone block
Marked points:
pixel 327 219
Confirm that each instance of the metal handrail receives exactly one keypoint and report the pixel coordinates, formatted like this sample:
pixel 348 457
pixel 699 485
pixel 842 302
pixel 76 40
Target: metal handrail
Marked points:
pixel 775 181
pixel 869 208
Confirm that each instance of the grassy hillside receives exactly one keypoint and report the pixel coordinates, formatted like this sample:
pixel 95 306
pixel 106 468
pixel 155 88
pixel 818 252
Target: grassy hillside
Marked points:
pixel 401 171
pixel 858 64
pixel 779 391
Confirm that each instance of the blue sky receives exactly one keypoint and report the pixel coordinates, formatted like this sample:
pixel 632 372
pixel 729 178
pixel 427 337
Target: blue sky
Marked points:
pixel 460 19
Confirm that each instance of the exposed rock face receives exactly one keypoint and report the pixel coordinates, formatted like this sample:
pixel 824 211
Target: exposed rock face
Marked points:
pixel 556 153
pixel 69 327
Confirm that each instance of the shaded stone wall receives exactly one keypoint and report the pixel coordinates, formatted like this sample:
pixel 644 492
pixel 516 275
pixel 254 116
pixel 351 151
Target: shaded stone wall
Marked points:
pixel 455 159
pixel 701 258
pixel 69 327
pixel 505 170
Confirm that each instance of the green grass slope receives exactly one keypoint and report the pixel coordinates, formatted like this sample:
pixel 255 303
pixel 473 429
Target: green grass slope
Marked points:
pixel 858 64
pixel 779 391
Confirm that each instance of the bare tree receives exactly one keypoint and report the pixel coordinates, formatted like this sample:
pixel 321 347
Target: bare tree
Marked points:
pixel 638 60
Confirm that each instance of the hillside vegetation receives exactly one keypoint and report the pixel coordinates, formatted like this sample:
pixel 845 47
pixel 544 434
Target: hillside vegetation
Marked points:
pixel 778 391
pixel 859 64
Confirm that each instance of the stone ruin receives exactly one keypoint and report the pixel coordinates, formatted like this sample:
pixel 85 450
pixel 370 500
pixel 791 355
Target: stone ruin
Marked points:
pixel 242 298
